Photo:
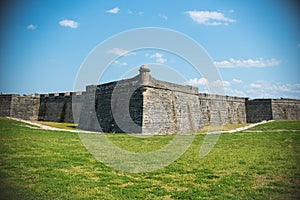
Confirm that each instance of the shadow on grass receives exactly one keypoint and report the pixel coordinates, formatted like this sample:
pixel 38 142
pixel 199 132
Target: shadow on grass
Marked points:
pixel 72 126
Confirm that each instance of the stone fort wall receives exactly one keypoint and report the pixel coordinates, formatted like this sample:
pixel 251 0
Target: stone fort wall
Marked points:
pixel 287 109
pixel 277 109
pixel 56 107
pixel 170 108
pixel 23 107
pixel 219 109
pixel 143 104
pixel 116 107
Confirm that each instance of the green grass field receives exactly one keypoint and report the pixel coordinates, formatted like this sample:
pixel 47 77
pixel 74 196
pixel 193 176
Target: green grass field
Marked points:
pixel 40 164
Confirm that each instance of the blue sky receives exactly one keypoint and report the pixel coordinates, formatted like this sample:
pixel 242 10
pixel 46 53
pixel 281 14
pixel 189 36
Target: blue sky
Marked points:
pixel 255 45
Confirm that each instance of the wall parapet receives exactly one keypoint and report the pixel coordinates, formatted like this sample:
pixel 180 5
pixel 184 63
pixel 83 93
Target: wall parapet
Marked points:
pixel 186 109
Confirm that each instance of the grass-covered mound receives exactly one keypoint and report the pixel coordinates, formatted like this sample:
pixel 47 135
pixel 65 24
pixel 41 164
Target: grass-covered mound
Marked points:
pixel 40 164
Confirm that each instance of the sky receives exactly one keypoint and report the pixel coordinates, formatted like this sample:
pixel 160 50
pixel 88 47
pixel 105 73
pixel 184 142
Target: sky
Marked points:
pixel 255 45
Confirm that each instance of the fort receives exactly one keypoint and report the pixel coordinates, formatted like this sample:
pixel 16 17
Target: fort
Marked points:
pixel 143 104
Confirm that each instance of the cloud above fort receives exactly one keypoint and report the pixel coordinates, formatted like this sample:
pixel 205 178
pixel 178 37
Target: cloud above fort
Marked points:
pixel 235 63
pixel 159 57
pixel 221 86
pixel 69 23
pixel 236 81
pixel 117 62
pixel 195 81
pixel 271 88
pixel 165 17
pixel 211 18
pixel 247 42
pixel 120 52
pixel 256 89
pixel 203 81
pixel 31 27
pixel 114 10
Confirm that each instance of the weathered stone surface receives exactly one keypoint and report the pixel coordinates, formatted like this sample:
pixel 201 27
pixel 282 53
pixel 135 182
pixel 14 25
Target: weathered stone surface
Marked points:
pixel 287 109
pixel 24 107
pixel 218 109
pixel 259 110
pixel 145 105
pixel 268 109
pixel 170 108
pixel 56 107
pixel 5 104
pixel 115 106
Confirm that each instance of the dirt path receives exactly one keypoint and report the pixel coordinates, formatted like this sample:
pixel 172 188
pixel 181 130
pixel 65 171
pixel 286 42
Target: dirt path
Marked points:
pixel 241 128
pixel 35 125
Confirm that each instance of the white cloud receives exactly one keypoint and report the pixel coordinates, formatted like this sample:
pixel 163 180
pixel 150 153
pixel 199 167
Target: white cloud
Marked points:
pixel 113 10
pixel 120 63
pixel 163 17
pixel 68 23
pixel 220 83
pixel 217 86
pixel 209 18
pixel 236 81
pixel 255 85
pixel 159 58
pixel 200 81
pixel 260 62
pixel 235 92
pixel 156 55
pixel 271 89
pixel 298 45
pixel 139 13
pixel 31 27
pixel 120 52
pixel 257 89
pixel 204 81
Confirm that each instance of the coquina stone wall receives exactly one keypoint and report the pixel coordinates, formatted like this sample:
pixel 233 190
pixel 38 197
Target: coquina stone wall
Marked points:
pixel 218 109
pixel 56 107
pixel 170 108
pixel 116 107
pixel 286 109
pixel 145 105
pixel 5 105
pixel 23 107
pixel 259 110
pixel 268 109
pixel 141 104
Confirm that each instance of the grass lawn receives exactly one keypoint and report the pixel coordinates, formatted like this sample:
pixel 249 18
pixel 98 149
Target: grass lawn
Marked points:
pixel 279 125
pixel 40 164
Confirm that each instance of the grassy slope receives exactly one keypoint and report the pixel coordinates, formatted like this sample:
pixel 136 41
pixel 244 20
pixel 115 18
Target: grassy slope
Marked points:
pixel 279 125
pixel 38 164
